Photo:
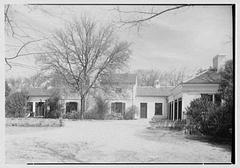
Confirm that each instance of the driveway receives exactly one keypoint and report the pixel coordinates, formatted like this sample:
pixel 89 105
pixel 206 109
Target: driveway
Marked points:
pixel 108 141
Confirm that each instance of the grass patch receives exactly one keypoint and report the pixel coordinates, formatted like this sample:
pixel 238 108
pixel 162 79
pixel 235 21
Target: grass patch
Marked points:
pixel 32 122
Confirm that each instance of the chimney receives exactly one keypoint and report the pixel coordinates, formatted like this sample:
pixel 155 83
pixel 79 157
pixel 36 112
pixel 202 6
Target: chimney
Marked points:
pixel 157 84
pixel 218 62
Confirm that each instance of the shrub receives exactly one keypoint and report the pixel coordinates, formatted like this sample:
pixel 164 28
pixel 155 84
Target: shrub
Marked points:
pixel 15 104
pixel 130 113
pixel 208 119
pixel 114 116
pixel 73 115
pixel 91 114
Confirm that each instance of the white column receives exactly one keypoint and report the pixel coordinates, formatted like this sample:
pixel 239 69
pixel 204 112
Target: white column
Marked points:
pixel 64 106
pixel 177 109
pixel 34 109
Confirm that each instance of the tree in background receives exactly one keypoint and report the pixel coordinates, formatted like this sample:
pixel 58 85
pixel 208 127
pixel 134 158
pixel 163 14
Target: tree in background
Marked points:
pixel 226 85
pixel 17 85
pixel 169 78
pixel 15 104
pixel 82 53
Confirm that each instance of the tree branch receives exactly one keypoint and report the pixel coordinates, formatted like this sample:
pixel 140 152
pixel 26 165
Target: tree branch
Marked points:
pixel 153 14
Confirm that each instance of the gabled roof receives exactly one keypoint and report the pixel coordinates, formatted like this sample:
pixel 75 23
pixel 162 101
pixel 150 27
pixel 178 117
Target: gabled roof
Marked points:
pixel 207 77
pixel 39 92
pixel 125 78
pixel 153 92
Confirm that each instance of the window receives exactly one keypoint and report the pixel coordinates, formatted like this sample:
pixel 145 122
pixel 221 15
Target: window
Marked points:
pixel 158 108
pixel 217 99
pixel 118 107
pixel 208 97
pixel 118 90
pixel 71 106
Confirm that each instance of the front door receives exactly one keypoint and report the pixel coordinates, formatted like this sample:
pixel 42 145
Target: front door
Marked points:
pixel 143 110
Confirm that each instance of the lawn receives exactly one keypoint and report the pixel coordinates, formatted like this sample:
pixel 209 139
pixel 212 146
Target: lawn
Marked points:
pixel 108 141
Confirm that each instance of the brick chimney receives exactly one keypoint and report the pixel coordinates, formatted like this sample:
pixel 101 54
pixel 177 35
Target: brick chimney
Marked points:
pixel 218 62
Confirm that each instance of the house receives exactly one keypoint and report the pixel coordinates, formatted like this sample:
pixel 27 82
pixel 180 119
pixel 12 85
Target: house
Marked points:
pixel 168 102
pixel 165 102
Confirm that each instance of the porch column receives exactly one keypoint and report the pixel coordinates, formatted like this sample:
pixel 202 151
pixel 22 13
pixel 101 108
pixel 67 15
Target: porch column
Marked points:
pixel 64 106
pixel 173 110
pixel 177 110
pixel 34 108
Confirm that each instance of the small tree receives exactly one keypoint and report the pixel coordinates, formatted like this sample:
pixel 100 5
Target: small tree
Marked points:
pixel 55 106
pixel 15 104
pixel 101 106
pixel 130 113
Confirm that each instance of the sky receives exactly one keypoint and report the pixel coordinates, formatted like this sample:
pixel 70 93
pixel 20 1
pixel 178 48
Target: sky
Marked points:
pixel 186 38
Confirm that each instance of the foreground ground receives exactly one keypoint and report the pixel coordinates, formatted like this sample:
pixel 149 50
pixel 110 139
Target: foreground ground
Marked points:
pixel 107 141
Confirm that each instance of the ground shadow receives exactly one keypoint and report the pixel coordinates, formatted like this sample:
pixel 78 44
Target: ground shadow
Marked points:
pixel 225 143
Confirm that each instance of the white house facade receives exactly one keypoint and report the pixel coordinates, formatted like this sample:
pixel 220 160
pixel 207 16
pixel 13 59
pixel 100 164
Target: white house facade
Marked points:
pixel 166 102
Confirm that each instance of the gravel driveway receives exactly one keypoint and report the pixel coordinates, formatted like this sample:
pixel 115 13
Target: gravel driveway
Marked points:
pixel 107 141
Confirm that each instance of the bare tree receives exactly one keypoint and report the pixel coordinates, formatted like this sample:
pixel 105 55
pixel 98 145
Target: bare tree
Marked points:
pixel 168 78
pixel 83 53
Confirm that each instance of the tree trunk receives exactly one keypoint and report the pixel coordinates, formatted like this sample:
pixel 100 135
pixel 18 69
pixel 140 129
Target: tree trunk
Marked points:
pixel 82 107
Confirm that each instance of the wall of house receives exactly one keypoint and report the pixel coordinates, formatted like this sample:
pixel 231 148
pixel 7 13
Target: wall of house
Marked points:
pixel 127 95
pixel 37 99
pixel 194 91
pixel 151 105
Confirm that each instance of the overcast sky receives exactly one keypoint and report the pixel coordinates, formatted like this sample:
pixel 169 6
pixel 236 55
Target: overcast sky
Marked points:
pixel 186 38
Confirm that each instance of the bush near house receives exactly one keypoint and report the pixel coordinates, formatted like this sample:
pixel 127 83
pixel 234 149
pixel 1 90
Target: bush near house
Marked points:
pixel 130 113
pixel 73 115
pixel 208 118
pixel 114 116
pixel 15 104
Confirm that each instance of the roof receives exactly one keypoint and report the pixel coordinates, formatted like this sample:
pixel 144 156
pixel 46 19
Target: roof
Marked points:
pixel 125 78
pixel 207 77
pixel 39 92
pixel 151 91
